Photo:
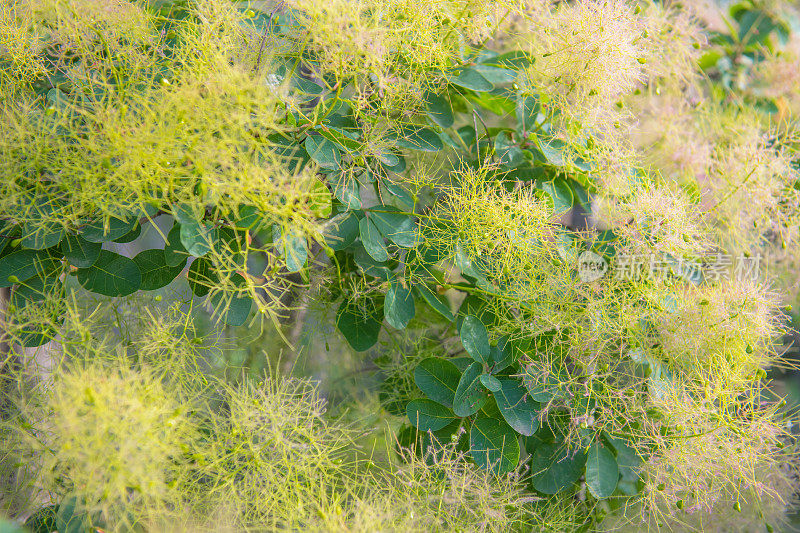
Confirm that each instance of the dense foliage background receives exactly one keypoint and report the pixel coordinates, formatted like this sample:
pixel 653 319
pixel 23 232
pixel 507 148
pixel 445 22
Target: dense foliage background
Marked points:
pixel 375 265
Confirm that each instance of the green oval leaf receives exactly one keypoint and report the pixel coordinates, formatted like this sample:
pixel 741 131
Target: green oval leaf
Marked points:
pixel 419 138
pixel 111 275
pixel 388 162
pixel 527 172
pixel 554 467
pixel 493 445
pixel 427 415
pixel 510 154
pixel 306 87
pixel 37 289
pixel 514 60
pixel 347 190
pixel 395 226
pixel 495 104
pixel 80 252
pixel 520 411
pixel 232 309
pixel 341 231
pixel 502 355
pixel 602 471
pixel 132 235
pixel 246 217
pixel 359 327
pixel 368 265
pixel 174 251
pixel 293 155
pixel 471 79
pixel 323 152
pixel 22 265
pixel 527 110
pixel 542 387
pixel 495 75
pixel 97 231
pixel 201 277
pixel 629 464
pixel 294 250
pixel 439 109
pixel 156 273
pixel 475 339
pixel 43 230
pixel 198 238
pixel 231 245
pixel 470 394
pixel 490 382
pixel 561 194
pixel 553 150
pixel 341 137
pixel 399 305
pixel 399 192
pixel 37 328
pixel 35 335
pixel 434 301
pixel 372 239
pixel 438 379
pixel 186 214
pixel 71 517
pixel 39 237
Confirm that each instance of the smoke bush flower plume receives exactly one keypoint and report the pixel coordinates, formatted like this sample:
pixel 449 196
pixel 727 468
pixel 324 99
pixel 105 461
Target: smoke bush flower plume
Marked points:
pixel 547 247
